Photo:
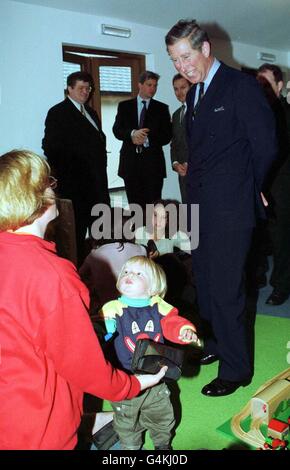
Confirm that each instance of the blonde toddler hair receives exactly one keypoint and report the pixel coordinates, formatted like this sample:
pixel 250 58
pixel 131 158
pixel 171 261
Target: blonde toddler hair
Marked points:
pixel 155 274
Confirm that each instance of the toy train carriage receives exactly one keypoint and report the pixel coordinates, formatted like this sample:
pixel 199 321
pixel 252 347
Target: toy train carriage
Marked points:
pixel 265 403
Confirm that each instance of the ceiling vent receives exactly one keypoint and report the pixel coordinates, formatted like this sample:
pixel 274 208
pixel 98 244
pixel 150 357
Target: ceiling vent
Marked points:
pixel 116 31
pixel 266 57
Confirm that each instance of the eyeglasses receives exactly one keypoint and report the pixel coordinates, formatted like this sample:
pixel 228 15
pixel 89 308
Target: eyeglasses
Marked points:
pixel 52 182
pixel 87 89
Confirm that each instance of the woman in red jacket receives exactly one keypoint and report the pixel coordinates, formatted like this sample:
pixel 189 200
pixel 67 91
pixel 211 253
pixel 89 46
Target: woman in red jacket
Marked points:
pixel 50 354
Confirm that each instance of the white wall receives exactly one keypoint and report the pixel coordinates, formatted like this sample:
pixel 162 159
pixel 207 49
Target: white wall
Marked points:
pixel 31 71
pixel 238 54
pixel 31 79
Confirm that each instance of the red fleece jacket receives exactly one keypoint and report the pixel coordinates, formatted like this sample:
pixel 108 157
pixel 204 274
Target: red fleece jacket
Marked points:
pixel 49 353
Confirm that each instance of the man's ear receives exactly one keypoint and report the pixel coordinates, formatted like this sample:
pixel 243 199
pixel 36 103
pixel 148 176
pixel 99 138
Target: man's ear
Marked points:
pixel 205 49
pixel 280 86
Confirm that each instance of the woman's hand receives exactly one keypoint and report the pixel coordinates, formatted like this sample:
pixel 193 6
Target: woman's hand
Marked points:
pixel 148 380
pixel 153 254
pixel 152 249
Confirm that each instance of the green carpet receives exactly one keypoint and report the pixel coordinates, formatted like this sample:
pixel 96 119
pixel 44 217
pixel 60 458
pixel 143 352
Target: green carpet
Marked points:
pixel 201 415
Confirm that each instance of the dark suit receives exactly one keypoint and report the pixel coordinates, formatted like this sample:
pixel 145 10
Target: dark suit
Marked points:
pixel 179 150
pixel 143 172
pixel 76 150
pixel 280 191
pixel 232 145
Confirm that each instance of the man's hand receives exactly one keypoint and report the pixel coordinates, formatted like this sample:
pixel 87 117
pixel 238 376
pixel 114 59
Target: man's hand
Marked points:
pixel 265 202
pixel 180 168
pixel 148 380
pixel 139 136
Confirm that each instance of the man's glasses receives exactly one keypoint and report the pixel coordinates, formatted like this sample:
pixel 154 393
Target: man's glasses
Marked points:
pixel 87 89
pixel 52 182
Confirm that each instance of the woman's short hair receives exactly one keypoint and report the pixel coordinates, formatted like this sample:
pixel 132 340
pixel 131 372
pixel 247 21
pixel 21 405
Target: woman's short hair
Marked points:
pixel 154 272
pixel 24 179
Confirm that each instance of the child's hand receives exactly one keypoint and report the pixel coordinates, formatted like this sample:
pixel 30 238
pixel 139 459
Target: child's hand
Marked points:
pixel 189 336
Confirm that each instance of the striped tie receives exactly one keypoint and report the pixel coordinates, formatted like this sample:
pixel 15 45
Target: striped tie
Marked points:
pixel 182 113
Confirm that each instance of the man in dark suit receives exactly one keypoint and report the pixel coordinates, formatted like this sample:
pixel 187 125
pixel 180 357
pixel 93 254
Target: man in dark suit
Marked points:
pixel 144 126
pixel 178 148
pixel 232 144
pixel 75 147
pixel 271 78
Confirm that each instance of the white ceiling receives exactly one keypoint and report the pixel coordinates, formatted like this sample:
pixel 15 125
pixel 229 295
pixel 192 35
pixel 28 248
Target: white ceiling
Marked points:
pixel 265 23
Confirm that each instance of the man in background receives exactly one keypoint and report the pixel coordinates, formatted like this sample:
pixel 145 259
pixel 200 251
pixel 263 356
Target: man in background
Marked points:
pixel 271 78
pixel 75 147
pixel 144 126
pixel 178 143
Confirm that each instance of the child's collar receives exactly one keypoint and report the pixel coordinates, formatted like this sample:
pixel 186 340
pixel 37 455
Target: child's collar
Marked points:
pixel 135 302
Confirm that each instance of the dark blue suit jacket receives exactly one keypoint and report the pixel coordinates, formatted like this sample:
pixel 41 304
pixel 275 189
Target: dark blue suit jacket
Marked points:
pixel 232 144
pixel 77 152
pixel 158 120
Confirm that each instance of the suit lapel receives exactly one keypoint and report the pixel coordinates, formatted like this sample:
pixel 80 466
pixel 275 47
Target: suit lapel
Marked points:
pixel 96 119
pixel 151 106
pixel 179 117
pixel 75 112
pixel 83 121
pixel 215 89
pixel 134 110
pixel 150 113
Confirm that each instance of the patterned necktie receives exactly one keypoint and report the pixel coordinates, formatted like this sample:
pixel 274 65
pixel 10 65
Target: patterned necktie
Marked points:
pixel 83 110
pixel 182 113
pixel 142 115
pixel 200 95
